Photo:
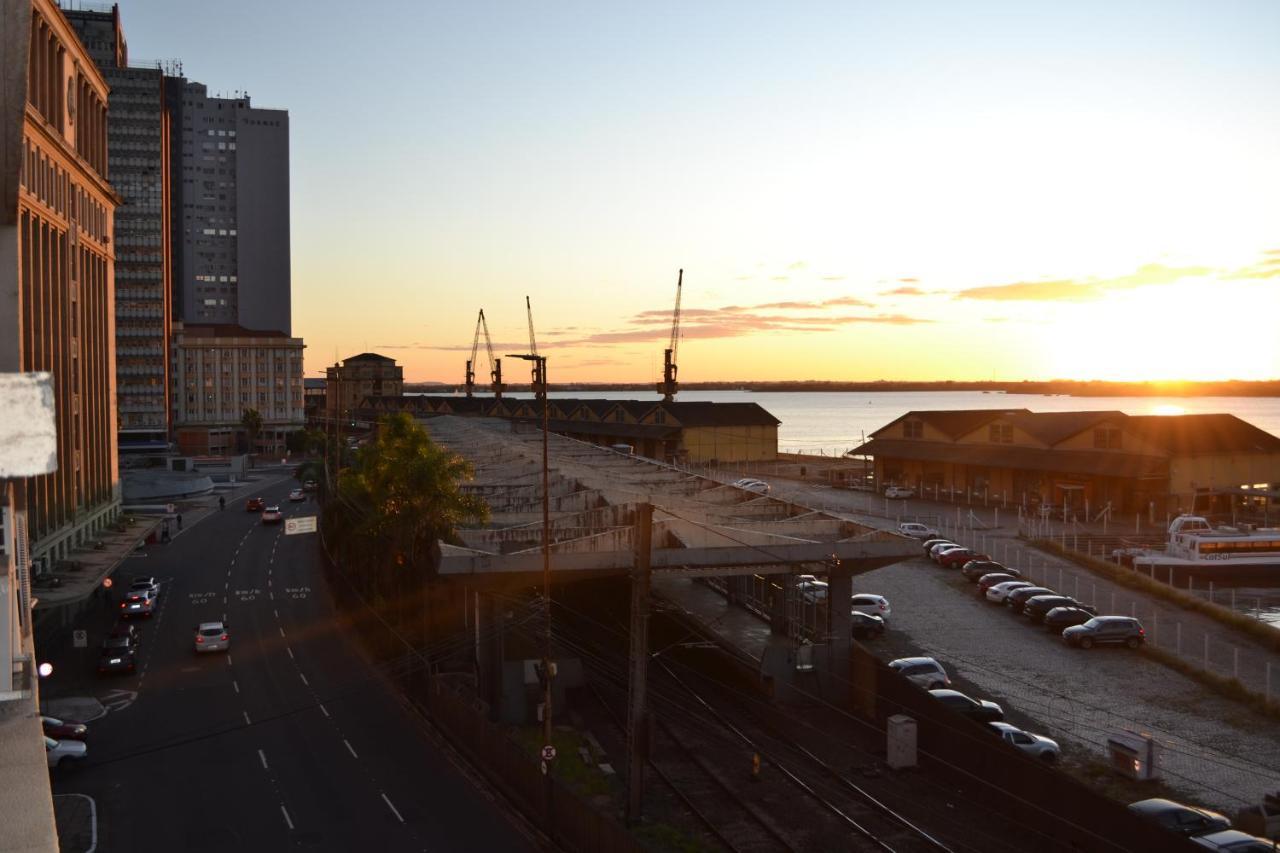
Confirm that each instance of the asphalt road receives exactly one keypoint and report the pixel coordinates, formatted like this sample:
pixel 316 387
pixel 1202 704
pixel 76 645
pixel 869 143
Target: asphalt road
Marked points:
pixel 289 741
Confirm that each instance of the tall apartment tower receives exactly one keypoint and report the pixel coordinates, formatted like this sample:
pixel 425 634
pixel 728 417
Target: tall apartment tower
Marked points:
pixel 57 270
pixel 230 211
pixel 138 155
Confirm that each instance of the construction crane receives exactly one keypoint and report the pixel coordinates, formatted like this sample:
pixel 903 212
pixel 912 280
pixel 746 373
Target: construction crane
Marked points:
pixel 668 387
pixel 495 364
pixel 539 363
pixel 471 362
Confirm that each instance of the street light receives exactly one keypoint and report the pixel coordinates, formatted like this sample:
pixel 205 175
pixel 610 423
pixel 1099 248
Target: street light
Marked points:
pixel 540 389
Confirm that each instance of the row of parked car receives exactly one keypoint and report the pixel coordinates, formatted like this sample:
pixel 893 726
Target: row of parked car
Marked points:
pixel 870 612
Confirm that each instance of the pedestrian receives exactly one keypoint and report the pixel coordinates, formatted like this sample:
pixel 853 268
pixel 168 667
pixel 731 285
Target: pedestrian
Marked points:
pixel 164 532
pixel 222 502
pixel 179 522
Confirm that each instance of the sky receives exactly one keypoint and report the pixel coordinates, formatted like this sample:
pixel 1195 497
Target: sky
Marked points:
pixel 854 190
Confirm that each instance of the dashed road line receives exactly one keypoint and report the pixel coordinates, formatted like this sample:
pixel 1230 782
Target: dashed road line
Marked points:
pixel 247 721
pixel 263 757
pixel 281 630
pixel 323 710
pixel 275 612
pixel 228 658
pixel 235 684
pixel 391 806
pixel 304 679
pixel 287 819
pixel 349 748
pixel 290 651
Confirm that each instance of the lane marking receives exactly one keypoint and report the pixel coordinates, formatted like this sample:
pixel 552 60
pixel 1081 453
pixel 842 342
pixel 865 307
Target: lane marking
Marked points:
pixel 281 630
pixel 247 721
pixel 284 812
pixel 235 684
pixel 290 651
pixel 394 811
pixel 275 613
pixel 263 756
pixel 323 710
pixel 228 658
pixel 350 749
pixel 304 679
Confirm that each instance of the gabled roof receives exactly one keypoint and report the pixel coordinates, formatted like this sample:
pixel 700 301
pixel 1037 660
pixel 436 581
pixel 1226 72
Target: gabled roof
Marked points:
pixel 367 356
pixel 599 407
pixel 719 414
pixel 1218 433
pixel 1053 427
pixel 637 408
pixel 1091 462
pixel 954 422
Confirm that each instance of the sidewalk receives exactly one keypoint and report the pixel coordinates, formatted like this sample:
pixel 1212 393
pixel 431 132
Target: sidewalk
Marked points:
pixel 77 817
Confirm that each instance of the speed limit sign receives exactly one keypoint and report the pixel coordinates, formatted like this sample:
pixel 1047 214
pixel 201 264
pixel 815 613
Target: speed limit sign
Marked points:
pixel 548 752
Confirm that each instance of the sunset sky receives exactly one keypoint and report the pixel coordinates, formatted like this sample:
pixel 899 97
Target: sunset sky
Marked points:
pixel 945 190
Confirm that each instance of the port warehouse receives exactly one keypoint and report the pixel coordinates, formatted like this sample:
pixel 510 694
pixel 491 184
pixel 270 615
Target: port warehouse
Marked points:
pixel 692 432
pixel 1158 464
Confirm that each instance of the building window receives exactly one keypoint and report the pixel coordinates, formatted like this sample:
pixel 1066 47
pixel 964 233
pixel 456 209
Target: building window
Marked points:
pixel 913 429
pixel 1106 438
pixel 1001 433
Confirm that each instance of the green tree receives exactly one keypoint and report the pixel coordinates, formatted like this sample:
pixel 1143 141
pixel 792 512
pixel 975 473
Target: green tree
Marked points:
pixel 251 420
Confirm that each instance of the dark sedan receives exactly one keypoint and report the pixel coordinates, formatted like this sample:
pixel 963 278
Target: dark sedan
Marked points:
pixel 64 729
pixel 117 660
pixel 867 626
pixel 1106 630
pixel 975 569
pixel 1180 818
pixel 957 557
pixel 975 709
pixel 1064 617
pixel 1018 598
pixel 1038 605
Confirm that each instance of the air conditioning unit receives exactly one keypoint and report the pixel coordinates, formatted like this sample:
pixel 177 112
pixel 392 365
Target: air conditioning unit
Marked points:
pixel 1134 755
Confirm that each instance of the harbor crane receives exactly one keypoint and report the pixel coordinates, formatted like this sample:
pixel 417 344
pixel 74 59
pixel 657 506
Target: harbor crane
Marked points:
pixel 539 363
pixel 668 387
pixel 495 364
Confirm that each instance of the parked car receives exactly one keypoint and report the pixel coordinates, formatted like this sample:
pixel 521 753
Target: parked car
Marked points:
pixel 942 548
pixel 64 729
pixel 212 637
pixel 1017 599
pixel 1235 841
pixel 928 544
pixel 873 605
pixel 297 495
pixel 997 593
pixel 1038 606
pixel 917 530
pixel 975 569
pixel 954 558
pixel 1060 618
pixel 867 626
pixel 117 656
pixel 922 672
pixel 146 583
pixel 987 581
pixel 309 486
pixel 255 505
pixel 57 752
pixel 126 629
pixel 1180 818
pixel 272 515
pixel 1101 630
pixel 812 591
pixel 1037 746
pixel 975 709
pixel 899 492
pixel 137 604
pixel 753 485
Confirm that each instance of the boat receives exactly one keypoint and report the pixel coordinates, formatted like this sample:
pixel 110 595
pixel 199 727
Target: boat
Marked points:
pixel 1196 549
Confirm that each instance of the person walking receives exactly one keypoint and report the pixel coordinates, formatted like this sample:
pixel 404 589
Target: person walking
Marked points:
pixel 179 522
pixel 222 502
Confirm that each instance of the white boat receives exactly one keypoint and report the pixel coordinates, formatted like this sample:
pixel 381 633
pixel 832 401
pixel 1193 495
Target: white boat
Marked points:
pixel 1198 549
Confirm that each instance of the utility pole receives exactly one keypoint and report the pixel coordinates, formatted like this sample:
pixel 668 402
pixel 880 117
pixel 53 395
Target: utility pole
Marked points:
pixel 637 721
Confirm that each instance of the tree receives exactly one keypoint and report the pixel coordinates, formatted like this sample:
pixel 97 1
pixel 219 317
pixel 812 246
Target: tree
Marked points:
pixel 251 420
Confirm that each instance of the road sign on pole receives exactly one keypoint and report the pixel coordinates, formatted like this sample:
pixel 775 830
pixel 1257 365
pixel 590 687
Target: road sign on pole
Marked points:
pixel 548 753
pixel 305 524
pixel 80 639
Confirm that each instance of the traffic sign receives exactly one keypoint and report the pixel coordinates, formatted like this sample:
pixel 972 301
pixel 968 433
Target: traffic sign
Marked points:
pixel 107 582
pixel 305 524
pixel 80 639
pixel 548 752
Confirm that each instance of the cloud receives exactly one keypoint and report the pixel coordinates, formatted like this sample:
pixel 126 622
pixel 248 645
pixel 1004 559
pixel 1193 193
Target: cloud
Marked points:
pixel 905 291
pixel 780 278
pixel 798 265
pixel 1084 290
pixel 833 278
pixel 909 280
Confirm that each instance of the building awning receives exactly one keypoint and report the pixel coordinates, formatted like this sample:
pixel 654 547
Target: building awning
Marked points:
pixel 1092 463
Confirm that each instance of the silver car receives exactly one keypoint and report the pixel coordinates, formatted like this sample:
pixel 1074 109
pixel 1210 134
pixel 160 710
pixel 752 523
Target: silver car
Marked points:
pixel 1037 746
pixel 998 593
pixel 922 672
pixel 56 752
pixel 137 604
pixel 212 637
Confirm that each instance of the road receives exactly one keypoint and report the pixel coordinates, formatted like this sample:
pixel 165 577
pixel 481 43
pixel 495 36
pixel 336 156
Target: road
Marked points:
pixel 289 741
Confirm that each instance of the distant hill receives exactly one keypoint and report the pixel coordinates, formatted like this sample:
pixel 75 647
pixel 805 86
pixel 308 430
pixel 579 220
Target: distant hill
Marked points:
pixel 1073 388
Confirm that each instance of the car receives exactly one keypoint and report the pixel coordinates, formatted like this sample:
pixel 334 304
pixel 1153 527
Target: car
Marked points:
pixel 1102 630
pixel 866 626
pixel 873 605
pixel 117 655
pixel 940 548
pixel 255 505
pixel 997 593
pixel 916 530
pixel 1180 818
pixel 297 495
pixel 812 591
pixel 975 709
pixel 899 492
pixel 272 515
pixel 975 569
pixel 1017 599
pixel 1060 618
pixel 922 672
pixel 753 485
pixel 57 752
pixel 145 583
pixel 137 604
pixel 957 557
pixel 64 729
pixel 1235 841
pixel 1039 605
pixel 987 581
pixel 1037 746
pixel 310 486
pixel 126 629
pixel 928 544
pixel 212 637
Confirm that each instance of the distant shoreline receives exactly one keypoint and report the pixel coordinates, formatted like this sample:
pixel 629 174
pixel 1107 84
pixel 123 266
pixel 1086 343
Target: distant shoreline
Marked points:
pixel 1069 388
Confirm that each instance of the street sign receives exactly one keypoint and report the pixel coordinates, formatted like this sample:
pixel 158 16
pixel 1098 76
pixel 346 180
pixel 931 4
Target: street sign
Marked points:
pixel 305 524
pixel 170 508
pixel 80 639
pixel 548 752
pixel 107 582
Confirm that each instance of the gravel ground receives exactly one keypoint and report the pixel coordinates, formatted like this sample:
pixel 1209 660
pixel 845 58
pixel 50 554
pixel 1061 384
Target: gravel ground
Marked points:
pixel 1216 752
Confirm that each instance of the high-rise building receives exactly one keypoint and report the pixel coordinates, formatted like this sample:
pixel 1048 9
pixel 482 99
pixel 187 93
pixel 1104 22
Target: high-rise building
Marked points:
pixel 365 375
pixel 230 210
pixel 138 157
pixel 57 314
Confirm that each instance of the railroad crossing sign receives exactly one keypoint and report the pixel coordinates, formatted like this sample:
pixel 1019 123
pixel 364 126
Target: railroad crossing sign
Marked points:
pixel 305 524
pixel 548 752
pixel 80 639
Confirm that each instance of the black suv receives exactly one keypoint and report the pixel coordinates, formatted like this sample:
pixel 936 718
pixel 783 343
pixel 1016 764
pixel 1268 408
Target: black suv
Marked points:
pixel 1106 629
pixel 1038 605
pixel 1017 599
pixel 975 709
pixel 975 569
pixel 1064 617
